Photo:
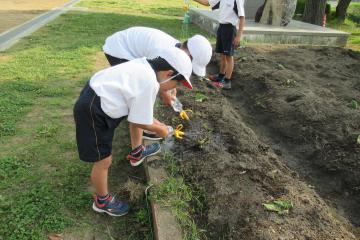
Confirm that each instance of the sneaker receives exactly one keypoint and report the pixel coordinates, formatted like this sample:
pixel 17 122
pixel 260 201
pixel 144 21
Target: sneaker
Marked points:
pixel 227 85
pixel 112 206
pixel 218 84
pixel 138 155
pixel 150 136
pixel 215 78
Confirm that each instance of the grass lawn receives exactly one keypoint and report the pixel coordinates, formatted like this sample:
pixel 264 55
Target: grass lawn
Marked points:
pixel 351 25
pixel 44 187
pixel 140 7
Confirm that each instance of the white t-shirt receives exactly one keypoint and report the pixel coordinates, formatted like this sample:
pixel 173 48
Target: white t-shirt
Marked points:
pixel 137 42
pixel 127 89
pixel 226 11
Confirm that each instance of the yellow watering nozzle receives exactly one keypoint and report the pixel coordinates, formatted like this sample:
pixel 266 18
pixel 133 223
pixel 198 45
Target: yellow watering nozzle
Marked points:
pixel 183 114
pixel 186 8
pixel 179 133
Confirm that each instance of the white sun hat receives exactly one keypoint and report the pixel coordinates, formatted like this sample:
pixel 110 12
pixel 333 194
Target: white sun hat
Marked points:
pixel 180 61
pixel 201 52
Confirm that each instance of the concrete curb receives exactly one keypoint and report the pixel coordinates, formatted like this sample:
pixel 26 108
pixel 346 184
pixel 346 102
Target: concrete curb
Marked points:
pixel 166 226
pixel 11 36
pixel 295 33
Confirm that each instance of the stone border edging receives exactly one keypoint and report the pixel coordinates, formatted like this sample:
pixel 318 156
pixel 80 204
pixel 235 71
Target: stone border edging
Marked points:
pixel 166 226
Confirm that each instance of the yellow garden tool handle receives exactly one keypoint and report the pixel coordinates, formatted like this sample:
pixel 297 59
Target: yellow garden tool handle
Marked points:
pixel 183 114
pixel 178 132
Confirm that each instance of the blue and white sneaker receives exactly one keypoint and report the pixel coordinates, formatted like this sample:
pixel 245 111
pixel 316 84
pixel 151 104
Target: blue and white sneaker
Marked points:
pixel 111 206
pixel 138 155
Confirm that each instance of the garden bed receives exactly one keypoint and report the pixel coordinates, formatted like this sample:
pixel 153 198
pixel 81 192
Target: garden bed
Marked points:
pixel 286 131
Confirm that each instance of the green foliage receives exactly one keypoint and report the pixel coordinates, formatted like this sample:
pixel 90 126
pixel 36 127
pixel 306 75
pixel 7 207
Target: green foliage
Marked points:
pixel 142 216
pixel 12 167
pixel 300 7
pixel 350 25
pixel 30 212
pixel 200 97
pixel 138 7
pixel 279 206
pixel 176 194
pixel 354 12
pixel 354 104
pixel 46 131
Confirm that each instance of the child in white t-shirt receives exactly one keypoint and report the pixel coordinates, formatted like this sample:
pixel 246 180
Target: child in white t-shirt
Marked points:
pixel 137 42
pixel 231 16
pixel 126 90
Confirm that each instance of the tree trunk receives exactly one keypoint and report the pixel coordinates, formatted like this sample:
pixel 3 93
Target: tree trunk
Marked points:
pixel 259 12
pixel 278 12
pixel 341 9
pixel 314 11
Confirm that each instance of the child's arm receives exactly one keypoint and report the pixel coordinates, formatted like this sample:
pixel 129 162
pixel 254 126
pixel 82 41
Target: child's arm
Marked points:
pixel 239 31
pixel 203 2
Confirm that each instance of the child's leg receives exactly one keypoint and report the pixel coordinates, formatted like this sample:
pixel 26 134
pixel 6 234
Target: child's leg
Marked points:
pixel 99 176
pixel 135 135
pixel 229 66
pixel 140 152
pixel 94 135
pixel 223 64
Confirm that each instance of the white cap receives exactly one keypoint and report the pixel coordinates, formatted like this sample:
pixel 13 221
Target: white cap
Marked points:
pixel 180 61
pixel 201 51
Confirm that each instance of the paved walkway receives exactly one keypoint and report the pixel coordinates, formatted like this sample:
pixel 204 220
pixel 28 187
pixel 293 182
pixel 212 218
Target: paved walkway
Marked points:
pixel 10 37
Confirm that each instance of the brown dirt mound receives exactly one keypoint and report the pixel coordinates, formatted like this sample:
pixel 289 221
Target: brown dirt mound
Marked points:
pixel 224 153
pixel 299 99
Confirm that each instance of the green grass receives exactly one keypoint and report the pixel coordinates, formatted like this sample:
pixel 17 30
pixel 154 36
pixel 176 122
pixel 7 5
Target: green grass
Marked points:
pixel 176 194
pixel 350 25
pixel 44 187
pixel 139 7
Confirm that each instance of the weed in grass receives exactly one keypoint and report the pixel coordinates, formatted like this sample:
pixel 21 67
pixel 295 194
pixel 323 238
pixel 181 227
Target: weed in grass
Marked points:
pixel 31 212
pixel 142 216
pixel 12 167
pixel 136 190
pixel 46 131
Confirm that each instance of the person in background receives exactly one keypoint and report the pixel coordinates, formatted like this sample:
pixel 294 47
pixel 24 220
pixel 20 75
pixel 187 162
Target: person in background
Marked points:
pixel 231 25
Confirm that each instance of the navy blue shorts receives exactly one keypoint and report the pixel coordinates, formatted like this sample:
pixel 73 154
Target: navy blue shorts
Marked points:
pixel 226 34
pixel 114 60
pixel 94 129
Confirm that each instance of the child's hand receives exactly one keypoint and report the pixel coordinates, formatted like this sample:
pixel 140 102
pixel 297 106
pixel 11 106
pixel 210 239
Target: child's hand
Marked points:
pixel 166 98
pixel 236 41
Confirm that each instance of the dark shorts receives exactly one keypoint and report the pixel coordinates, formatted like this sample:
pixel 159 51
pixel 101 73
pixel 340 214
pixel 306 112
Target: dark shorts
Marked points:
pixel 94 129
pixel 224 40
pixel 114 60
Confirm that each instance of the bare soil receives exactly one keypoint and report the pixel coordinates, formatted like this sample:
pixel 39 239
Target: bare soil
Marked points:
pixel 285 131
pixel 16 12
